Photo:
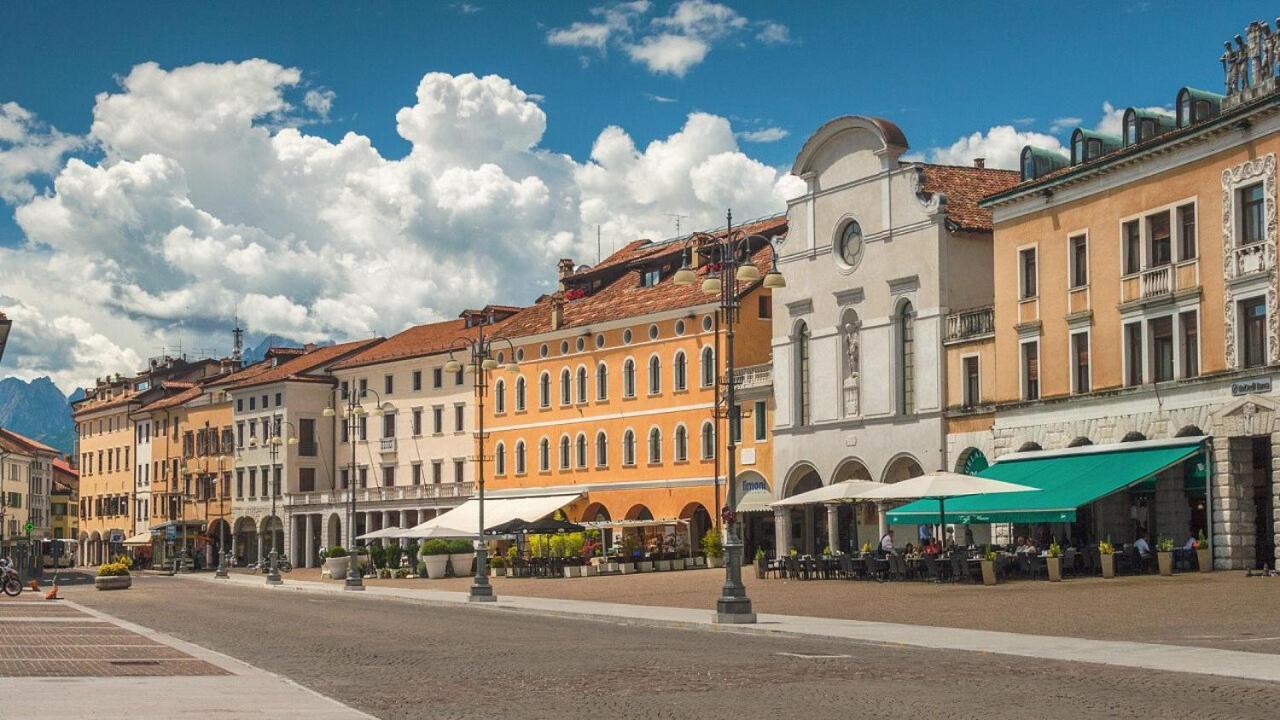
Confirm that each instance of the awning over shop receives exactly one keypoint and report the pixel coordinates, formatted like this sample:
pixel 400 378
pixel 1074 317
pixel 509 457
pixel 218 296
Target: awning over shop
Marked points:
pixel 139 539
pixel 1066 480
pixel 466 517
pixel 754 501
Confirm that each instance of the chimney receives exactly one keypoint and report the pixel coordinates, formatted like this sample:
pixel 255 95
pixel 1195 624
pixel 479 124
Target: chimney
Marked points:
pixel 557 309
pixel 566 267
pixel 980 163
pixel 309 347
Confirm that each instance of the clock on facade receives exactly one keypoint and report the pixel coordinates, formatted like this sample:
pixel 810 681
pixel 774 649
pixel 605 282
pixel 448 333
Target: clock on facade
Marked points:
pixel 850 244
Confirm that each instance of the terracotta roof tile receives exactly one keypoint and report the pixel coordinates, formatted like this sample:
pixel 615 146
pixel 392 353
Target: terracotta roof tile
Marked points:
pixel 298 369
pixel 63 467
pixel 92 404
pixel 623 296
pixel 19 443
pixel 417 341
pixel 964 187
pixel 186 395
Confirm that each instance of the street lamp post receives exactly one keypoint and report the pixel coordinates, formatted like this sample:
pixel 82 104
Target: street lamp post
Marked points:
pixel 734 266
pixel 480 363
pixel 276 442
pixel 351 415
pixel 222 511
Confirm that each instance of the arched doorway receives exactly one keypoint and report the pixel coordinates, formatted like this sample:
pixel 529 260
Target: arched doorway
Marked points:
pixel 806 524
pixel 644 535
pixel 334 535
pixel 271 535
pixel 971 462
pixel 244 545
pixel 596 512
pixel 219 539
pixel 856 523
pixel 900 468
pixel 699 522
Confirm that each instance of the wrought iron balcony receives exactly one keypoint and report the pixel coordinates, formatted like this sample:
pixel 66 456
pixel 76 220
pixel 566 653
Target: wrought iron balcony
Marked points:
pixel 753 376
pixel 395 493
pixel 971 324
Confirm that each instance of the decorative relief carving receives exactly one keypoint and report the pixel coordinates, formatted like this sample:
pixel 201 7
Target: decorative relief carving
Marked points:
pixel 852 372
pixel 1243 260
pixel 1249 68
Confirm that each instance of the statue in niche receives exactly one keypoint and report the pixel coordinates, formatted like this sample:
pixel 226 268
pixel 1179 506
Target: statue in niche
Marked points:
pixel 851 369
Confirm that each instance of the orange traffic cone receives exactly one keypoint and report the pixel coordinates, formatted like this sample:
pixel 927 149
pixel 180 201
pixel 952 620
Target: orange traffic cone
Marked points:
pixel 53 593
pixel 34 584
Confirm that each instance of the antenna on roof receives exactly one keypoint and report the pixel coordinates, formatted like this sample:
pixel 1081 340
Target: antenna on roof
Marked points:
pixel 597 243
pixel 237 348
pixel 678 217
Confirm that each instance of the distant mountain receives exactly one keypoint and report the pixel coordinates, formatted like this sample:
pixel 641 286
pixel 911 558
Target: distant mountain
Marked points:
pixel 259 351
pixel 40 411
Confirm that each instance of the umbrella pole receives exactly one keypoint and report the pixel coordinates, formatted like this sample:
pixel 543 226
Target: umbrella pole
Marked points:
pixel 942 522
pixel 854 531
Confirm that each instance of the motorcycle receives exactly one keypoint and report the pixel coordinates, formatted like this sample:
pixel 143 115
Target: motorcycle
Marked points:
pixel 10 583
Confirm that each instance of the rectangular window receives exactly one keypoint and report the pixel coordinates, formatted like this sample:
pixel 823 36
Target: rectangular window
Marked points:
pixel 735 424
pixel 458 466
pixel 363 427
pixel 1080 362
pixel 388 384
pixel 649 278
pixel 1253 332
pixel 1190 344
pixel 1252 206
pixel 1186 232
pixel 343 427
pixel 437 470
pixel 279 399
pixel 1027 266
pixel 972 388
pixel 761 415
pixel 307 439
pixel 253 482
pixel 1162 349
pixel 253 403
pixel 364 386
pixel 388 476
pixel 1079 261
pixel 306 480
pixel 1160 252
pixel 1132 239
pixel 457 417
pixel 389 425
pixel 437 420
pixel 344 478
pixel 1031 370
pixel 417 473
pixel 239 404
pixel 457 378
pixel 363 477
pixel 766 307
pixel 417 380
pixel 417 421
pixel 342 390
pixel 1133 353
pixel 437 377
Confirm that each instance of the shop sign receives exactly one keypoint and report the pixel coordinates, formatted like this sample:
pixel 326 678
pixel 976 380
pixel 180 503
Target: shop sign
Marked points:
pixel 1256 386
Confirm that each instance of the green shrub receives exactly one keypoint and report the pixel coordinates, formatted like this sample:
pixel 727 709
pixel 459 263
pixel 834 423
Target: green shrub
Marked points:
pixel 113 569
pixel 497 561
pixel 713 544
pixel 1165 545
pixel 435 547
pixel 422 570
pixel 460 546
pixel 337 551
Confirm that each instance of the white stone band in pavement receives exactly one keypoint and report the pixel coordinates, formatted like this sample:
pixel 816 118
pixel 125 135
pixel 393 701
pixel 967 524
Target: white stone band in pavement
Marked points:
pixel 248 692
pixel 1149 656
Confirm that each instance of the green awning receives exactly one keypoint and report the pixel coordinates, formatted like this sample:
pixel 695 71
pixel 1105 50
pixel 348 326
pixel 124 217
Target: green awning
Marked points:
pixel 1067 480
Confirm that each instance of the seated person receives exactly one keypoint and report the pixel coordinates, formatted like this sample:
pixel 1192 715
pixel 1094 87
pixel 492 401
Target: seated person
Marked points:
pixel 1142 546
pixel 910 549
pixel 1192 542
pixel 886 543
pixel 931 548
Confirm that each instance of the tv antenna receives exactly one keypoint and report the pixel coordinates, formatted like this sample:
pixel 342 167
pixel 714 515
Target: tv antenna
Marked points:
pixel 677 217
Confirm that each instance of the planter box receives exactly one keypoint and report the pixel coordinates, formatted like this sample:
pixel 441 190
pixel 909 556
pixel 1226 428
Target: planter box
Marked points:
pixel 989 572
pixel 644 566
pixel 679 563
pixel 336 568
pixel 436 565
pixel 117 582
pixel 571 571
pixel 715 562
pixel 626 568
pixel 1054 564
pixel 698 562
pixel 1204 560
pixel 662 565
pixel 498 572
pixel 461 563
pixel 1165 561
pixel 613 567
pixel 590 570
pixel 1108 565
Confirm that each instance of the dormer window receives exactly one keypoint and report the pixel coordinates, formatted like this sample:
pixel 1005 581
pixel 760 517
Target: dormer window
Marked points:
pixel 1197 106
pixel 650 278
pixel 1087 145
pixel 1037 162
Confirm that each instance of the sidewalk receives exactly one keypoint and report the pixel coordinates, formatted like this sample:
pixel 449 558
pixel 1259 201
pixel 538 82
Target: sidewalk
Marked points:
pixel 1150 656
pixel 70 661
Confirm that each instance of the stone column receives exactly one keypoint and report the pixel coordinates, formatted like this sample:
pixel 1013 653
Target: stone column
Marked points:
pixel 881 521
pixel 810 529
pixel 310 547
pixel 258 533
pixel 833 527
pixel 406 522
pixel 781 532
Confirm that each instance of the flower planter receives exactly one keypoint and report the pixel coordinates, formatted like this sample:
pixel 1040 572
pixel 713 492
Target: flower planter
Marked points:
pixel 1165 561
pixel 698 562
pixel 679 563
pixel 572 571
pixel 436 565
pixel 1054 564
pixel 113 582
pixel 461 563
pixel 627 568
pixel 661 565
pixel 715 562
pixel 498 571
pixel 644 566
pixel 1108 565
pixel 989 572
pixel 1204 560
pixel 336 567
pixel 590 570
pixel 613 567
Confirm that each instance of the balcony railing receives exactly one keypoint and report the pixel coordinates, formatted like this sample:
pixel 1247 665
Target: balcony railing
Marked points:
pixel 443 491
pixel 1157 281
pixel 753 376
pixel 387 445
pixel 1256 257
pixel 971 324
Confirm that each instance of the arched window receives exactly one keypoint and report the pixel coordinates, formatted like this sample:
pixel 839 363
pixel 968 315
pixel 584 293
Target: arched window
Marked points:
pixel 629 378
pixel 581 447
pixel 707 441
pixel 544 390
pixel 707 367
pixel 906 359
pixel 628 448
pixel 655 375
pixel 682 444
pixel 582 385
pixel 520 457
pixel 500 460
pixel 602 382
pixel 655 446
pixel 803 391
pixel 520 394
pixel 680 372
pixel 544 455
pixel 500 397
pixel 566 390
pixel 602 449
pixel 564 452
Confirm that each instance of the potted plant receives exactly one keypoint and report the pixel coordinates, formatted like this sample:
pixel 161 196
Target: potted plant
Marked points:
pixel 498 566
pixel 1164 555
pixel 1054 561
pixel 113 576
pixel 435 555
pixel 336 561
pixel 401 573
pixel 713 548
pixel 866 548
pixel 461 555
pixel 1204 560
pixel 760 564
pixel 989 567
pixel 1107 558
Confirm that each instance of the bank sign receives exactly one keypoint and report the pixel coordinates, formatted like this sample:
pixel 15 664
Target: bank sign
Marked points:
pixel 1256 386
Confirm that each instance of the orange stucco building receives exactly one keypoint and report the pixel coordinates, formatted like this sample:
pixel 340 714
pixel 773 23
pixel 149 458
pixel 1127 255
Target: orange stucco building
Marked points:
pixel 615 392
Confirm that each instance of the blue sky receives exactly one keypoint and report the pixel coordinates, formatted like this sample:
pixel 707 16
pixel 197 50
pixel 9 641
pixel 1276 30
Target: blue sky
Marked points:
pixel 942 71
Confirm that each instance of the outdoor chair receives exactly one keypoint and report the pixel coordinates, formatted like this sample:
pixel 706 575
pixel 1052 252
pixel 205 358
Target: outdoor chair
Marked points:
pixel 959 569
pixel 1092 561
pixel 762 567
pixel 931 569
pixel 793 568
pixel 846 568
pixel 1069 559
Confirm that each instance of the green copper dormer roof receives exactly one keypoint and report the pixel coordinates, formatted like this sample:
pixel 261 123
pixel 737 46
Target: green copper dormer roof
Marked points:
pixel 1039 161
pixel 1089 145
pixel 1197 105
pixel 1141 124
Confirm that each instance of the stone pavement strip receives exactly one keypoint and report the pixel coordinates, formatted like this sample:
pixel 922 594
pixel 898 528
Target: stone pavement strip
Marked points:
pixel 1150 656
pixel 65 660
